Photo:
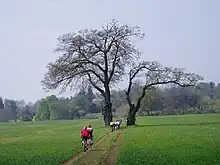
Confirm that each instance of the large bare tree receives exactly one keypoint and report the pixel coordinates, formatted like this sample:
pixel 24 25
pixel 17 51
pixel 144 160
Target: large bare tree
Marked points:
pixel 155 74
pixel 96 57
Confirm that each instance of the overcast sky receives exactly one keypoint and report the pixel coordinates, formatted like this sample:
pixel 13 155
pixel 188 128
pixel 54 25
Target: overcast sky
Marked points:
pixel 181 33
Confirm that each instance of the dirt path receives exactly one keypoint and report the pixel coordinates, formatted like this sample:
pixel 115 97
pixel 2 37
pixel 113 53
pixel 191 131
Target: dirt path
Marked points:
pixel 102 153
pixel 114 151
pixel 79 155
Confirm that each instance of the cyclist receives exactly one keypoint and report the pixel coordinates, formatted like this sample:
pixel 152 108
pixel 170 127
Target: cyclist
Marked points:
pixel 90 131
pixel 84 134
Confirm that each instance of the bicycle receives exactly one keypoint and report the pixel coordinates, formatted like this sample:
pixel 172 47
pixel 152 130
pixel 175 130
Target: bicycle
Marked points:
pixel 86 144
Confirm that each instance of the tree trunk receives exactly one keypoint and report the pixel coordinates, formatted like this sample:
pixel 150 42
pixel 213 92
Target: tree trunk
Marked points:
pixel 107 108
pixel 107 111
pixel 148 113
pixel 131 116
pixel 107 114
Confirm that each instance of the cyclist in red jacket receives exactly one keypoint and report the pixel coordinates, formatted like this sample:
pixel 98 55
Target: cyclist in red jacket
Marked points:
pixel 84 134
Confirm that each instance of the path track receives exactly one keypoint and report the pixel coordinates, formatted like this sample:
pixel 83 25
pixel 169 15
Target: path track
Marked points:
pixel 104 152
pixel 113 152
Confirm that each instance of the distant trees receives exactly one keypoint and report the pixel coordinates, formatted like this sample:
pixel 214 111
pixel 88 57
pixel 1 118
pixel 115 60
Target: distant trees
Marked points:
pixel 25 113
pixel 178 100
pixel 57 108
pixel 10 105
pixel 150 101
pixel 43 110
pixel 1 103
pixel 53 108
pixel 158 100
pixel 78 105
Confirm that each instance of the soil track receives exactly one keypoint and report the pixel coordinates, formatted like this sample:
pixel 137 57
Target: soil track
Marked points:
pixel 113 153
pixel 78 155
pixel 104 152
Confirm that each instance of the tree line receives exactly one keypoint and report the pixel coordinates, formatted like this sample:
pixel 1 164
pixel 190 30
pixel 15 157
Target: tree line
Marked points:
pixel 168 100
pixel 51 107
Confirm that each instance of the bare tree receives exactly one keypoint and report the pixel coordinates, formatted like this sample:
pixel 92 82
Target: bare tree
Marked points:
pixel 155 74
pixel 96 57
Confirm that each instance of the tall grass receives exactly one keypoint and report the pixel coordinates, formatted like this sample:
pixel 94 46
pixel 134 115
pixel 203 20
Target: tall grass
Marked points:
pixel 173 140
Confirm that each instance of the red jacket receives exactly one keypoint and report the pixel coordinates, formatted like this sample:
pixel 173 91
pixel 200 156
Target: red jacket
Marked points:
pixel 84 133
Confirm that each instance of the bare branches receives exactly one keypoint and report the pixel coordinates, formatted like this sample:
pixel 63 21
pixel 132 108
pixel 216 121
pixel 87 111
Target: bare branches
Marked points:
pixel 95 85
pixel 99 56
pixel 156 74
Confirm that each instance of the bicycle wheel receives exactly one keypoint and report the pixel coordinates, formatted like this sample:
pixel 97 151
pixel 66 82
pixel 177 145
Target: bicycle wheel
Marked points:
pixel 84 145
pixel 89 143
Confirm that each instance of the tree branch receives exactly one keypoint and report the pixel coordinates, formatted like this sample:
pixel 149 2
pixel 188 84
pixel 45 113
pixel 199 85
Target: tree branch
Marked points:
pixel 95 86
pixel 96 56
pixel 91 62
pixel 138 104
pixel 114 63
pixel 158 75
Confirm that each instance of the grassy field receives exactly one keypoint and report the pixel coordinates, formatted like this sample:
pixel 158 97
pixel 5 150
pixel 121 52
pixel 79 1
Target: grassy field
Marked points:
pixel 173 140
pixel 43 143
pixel 169 140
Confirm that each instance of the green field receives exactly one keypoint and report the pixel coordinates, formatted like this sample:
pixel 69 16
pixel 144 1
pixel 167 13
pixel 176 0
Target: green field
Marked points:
pixel 43 143
pixel 174 140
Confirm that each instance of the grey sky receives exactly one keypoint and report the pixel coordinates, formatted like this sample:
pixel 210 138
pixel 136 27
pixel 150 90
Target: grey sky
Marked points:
pixel 181 33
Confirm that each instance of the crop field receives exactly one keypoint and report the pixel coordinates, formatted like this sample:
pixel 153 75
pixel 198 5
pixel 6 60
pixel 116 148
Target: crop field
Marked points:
pixel 173 140
pixel 162 140
pixel 43 143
